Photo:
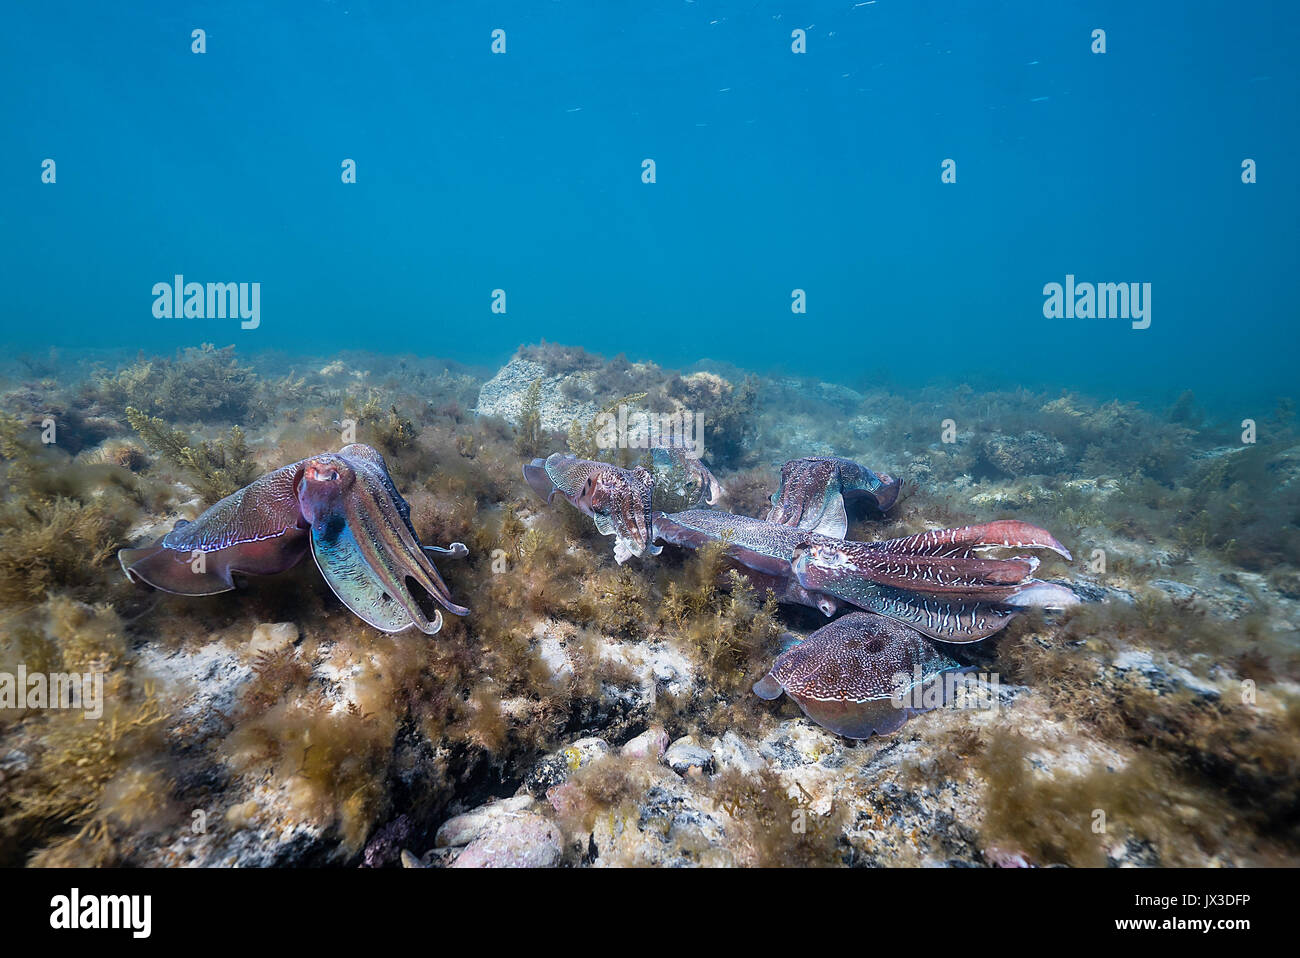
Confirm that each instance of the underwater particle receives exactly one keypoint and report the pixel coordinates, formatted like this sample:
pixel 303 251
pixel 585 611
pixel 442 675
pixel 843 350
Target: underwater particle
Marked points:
pixel 342 507
pixel 861 675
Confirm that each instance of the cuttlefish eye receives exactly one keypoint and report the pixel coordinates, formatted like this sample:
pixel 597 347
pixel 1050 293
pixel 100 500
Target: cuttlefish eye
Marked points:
pixel 319 472
pixel 323 482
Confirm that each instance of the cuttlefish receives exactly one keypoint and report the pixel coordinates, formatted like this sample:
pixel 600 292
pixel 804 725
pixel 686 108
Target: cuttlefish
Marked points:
pixel 619 500
pixel 814 491
pixel 862 674
pixel 622 501
pixel 931 581
pixel 342 507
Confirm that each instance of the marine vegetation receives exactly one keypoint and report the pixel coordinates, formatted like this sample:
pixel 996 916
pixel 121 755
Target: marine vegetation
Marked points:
pixel 216 468
pixel 592 712
pixel 199 385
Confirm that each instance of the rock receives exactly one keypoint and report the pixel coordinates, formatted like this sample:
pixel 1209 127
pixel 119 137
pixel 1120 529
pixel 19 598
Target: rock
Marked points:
pixel 556 768
pixel 273 636
pixel 386 845
pixel 1164 677
pixel 1096 592
pixel 1030 454
pixel 673 826
pixel 651 743
pixel 1287 582
pixel 797 742
pixel 241 815
pixel 731 751
pixel 550 649
pixel 564 397
pixel 410 861
pixel 463 829
pixel 684 755
pixel 516 840
pixel 1178 590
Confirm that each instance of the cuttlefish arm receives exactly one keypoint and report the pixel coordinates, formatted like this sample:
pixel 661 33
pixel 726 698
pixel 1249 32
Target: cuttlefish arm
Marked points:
pixel 861 675
pixel 619 500
pixel 814 491
pixel 258 530
pixel 365 546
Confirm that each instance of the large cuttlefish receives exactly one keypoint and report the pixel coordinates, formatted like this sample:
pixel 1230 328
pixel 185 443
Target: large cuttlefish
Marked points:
pixel 861 675
pixel 933 581
pixel 343 508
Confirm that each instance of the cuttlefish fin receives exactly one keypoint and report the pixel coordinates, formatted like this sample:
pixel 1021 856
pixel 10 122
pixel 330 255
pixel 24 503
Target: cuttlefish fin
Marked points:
pixel 258 530
pixel 855 719
pixel 173 571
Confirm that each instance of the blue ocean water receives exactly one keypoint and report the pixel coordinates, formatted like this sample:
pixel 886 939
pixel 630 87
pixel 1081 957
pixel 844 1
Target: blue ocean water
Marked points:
pixel 775 171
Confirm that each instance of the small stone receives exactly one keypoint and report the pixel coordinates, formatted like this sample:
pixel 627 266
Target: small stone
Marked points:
pixel 650 743
pixel 521 840
pixel 556 768
pixel 684 755
pixel 273 636
pixel 410 861
pixel 731 752
pixel 241 816
pixel 463 829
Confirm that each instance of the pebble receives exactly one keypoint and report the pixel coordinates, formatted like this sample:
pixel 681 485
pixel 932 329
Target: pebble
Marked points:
pixel 463 829
pixel 650 743
pixel 684 755
pixel 522 840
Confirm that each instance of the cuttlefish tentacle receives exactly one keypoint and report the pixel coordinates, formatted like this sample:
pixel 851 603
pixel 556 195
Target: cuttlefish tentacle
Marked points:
pixel 619 500
pixel 934 582
pixel 861 675
pixel 760 550
pixel 343 507
pixel 814 491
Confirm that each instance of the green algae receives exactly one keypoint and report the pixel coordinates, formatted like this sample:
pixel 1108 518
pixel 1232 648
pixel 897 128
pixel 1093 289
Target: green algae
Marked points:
pixel 217 468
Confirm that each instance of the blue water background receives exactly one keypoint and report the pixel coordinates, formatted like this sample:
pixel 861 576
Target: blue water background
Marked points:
pixel 775 171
